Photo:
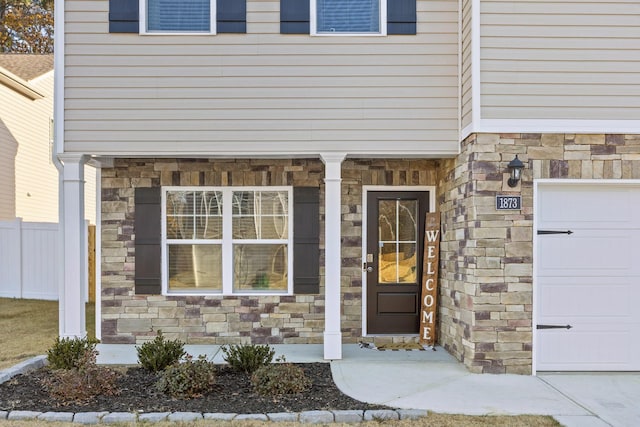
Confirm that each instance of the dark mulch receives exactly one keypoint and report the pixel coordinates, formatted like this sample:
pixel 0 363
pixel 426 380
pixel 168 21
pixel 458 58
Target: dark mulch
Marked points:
pixel 232 393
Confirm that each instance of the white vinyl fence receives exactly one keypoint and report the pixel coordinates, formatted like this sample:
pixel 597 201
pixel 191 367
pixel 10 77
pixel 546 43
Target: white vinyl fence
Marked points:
pixel 29 260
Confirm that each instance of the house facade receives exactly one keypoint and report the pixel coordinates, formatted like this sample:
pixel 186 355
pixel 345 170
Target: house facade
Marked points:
pixel 266 168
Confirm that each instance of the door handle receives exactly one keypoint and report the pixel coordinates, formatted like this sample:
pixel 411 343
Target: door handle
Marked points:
pixel 367 268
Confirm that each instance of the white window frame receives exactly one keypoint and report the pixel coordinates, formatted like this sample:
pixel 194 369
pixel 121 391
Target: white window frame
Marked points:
pixel 212 22
pixel 313 12
pixel 227 241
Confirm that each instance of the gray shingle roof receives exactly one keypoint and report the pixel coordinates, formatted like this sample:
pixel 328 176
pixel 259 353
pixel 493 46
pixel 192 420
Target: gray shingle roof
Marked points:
pixel 26 66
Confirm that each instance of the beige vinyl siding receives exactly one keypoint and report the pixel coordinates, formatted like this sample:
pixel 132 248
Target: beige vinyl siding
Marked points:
pixel 466 90
pixel 8 149
pixel 560 59
pixel 28 177
pixel 36 178
pixel 127 93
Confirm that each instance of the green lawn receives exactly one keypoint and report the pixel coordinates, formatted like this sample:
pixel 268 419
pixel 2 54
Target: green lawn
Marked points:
pixel 29 327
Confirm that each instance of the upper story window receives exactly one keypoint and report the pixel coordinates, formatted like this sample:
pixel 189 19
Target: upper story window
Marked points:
pixel 229 240
pixel 178 16
pixel 352 17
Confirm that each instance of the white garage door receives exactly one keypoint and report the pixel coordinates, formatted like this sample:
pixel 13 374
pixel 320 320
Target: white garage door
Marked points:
pixel 588 279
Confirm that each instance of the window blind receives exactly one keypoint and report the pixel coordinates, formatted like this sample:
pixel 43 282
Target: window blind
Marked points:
pixel 179 16
pixel 348 16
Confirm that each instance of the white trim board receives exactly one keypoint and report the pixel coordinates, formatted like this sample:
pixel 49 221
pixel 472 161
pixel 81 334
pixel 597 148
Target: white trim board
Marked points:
pixel 559 126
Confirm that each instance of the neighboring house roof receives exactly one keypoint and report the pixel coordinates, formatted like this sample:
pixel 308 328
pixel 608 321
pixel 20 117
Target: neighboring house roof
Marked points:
pixel 16 70
pixel 26 66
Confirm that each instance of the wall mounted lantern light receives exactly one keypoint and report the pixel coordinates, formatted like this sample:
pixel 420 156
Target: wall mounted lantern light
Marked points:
pixel 515 168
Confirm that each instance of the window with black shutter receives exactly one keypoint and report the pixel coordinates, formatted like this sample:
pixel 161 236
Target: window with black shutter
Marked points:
pixel 171 16
pixel 342 16
pixel 189 251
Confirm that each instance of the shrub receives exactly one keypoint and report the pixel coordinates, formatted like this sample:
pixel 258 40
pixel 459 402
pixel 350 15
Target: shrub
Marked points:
pixel 189 379
pixel 281 378
pixel 156 355
pixel 83 382
pixel 247 357
pixel 69 353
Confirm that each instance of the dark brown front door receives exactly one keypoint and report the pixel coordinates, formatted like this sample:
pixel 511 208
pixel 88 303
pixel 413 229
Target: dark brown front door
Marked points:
pixel 395 230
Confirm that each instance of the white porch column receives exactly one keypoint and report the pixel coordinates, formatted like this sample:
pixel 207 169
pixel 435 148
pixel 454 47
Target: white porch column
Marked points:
pixel 332 254
pixel 72 291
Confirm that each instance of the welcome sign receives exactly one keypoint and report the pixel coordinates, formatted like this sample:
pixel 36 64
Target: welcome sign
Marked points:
pixel 430 279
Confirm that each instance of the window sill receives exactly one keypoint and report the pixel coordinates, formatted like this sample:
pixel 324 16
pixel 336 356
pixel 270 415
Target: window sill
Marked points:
pixel 335 34
pixel 236 294
pixel 159 33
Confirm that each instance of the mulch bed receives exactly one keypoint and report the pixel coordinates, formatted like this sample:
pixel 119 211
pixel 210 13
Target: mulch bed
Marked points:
pixel 232 393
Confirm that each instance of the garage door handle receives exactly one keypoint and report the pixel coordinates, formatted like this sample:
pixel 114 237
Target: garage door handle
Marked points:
pixel 554 232
pixel 554 326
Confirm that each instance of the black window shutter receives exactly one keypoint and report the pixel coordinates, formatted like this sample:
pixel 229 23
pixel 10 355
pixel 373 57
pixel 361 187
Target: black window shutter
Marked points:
pixel 148 240
pixel 294 16
pixel 306 240
pixel 231 16
pixel 401 17
pixel 123 16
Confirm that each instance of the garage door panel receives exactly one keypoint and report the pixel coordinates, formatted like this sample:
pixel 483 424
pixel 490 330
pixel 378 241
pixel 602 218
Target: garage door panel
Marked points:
pixel 586 297
pixel 601 252
pixel 616 206
pixel 575 351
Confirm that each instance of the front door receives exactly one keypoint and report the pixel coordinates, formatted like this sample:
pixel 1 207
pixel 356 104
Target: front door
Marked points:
pixel 395 230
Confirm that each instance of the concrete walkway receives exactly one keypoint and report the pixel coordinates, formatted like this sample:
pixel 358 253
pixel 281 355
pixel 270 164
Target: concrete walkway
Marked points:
pixel 435 381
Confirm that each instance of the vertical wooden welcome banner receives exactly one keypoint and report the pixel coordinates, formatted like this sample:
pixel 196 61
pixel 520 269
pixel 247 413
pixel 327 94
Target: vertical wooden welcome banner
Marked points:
pixel 430 265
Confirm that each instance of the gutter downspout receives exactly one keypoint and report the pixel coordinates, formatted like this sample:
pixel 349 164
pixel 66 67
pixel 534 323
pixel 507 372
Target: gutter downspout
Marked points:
pixel 58 147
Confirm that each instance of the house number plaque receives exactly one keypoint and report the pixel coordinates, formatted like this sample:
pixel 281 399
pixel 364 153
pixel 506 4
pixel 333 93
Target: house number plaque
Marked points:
pixel 507 203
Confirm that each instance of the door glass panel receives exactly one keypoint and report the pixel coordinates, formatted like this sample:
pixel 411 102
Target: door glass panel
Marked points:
pixel 397 247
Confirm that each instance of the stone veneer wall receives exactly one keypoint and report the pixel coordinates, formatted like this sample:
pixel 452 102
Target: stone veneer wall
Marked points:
pixel 355 174
pixel 486 255
pixel 213 319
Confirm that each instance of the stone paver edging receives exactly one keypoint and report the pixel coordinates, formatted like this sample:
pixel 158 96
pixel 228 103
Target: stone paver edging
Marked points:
pixel 23 367
pixel 307 417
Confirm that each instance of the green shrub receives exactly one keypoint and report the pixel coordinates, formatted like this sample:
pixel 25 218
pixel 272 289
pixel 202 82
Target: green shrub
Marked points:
pixel 156 355
pixel 68 353
pixel 281 378
pixel 247 357
pixel 83 382
pixel 189 379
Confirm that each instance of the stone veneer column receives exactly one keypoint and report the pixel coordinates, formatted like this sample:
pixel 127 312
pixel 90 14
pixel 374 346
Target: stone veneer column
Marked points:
pixel 333 257
pixel 72 295
pixel 487 281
